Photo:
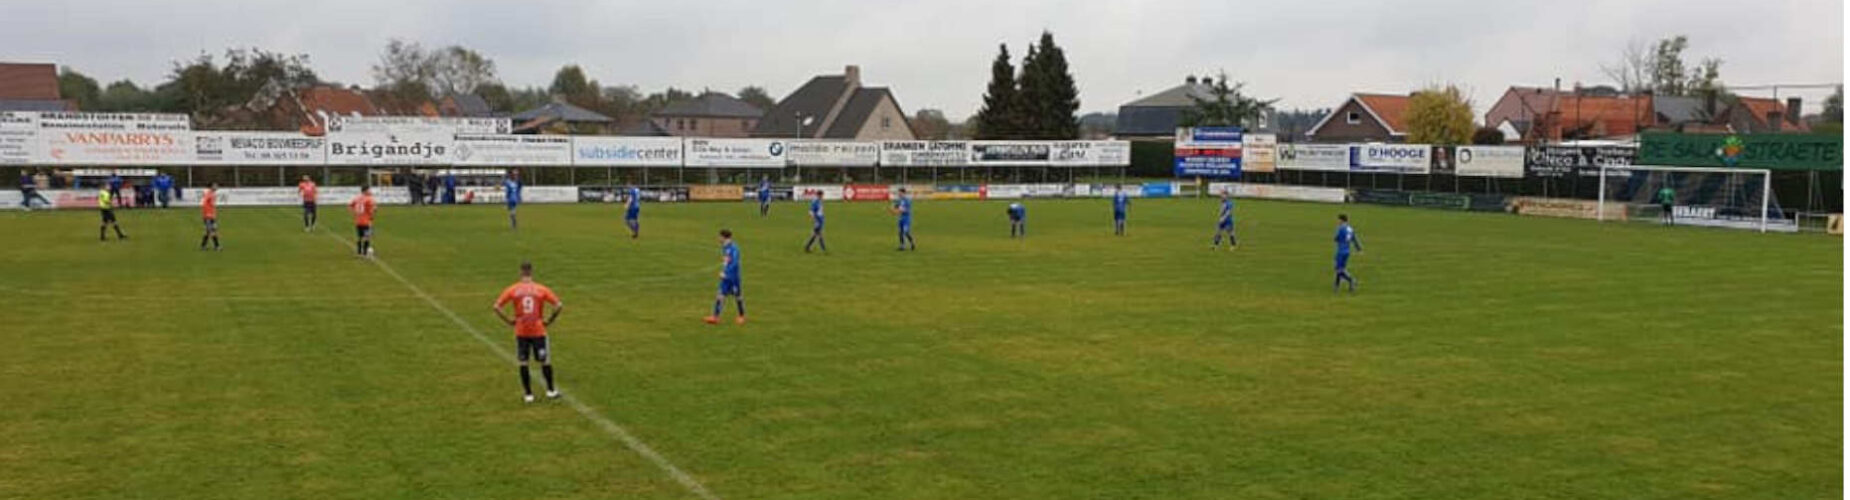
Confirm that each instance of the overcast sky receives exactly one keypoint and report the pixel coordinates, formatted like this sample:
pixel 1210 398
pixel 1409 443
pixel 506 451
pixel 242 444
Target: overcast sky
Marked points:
pixel 936 54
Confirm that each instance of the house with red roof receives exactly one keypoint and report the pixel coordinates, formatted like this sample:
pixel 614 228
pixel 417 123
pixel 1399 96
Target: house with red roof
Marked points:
pixel 1364 117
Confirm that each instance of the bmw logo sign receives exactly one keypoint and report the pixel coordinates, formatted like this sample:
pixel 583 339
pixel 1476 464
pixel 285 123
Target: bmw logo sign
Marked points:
pixel 777 148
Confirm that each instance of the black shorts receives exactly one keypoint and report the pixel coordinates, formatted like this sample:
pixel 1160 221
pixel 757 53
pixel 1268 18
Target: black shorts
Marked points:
pixel 363 231
pixel 109 216
pixel 1668 207
pixel 536 347
pixel 308 206
pixel 212 224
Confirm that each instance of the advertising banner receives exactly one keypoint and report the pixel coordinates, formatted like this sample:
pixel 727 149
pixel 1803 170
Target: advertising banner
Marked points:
pixel 957 192
pixel 615 194
pixel 19 137
pixel 120 122
pixel 528 194
pixel 1208 152
pixel 259 148
pixel 924 153
pixel 829 192
pixel 745 153
pixel 1769 151
pixel 866 192
pixel 417 125
pixel 1204 162
pixel 389 149
pixel 1561 207
pixel 1561 161
pixel 1073 153
pixel 1444 160
pixel 1209 137
pixel 1004 191
pixel 1328 157
pixel 1393 158
pixel 1280 192
pixel 1489 161
pixel 1259 153
pixel 607 151
pixel 116 147
pixel 1159 189
pixel 834 153
pixel 715 192
pixel 511 150
pixel 1111 153
pixel 1011 153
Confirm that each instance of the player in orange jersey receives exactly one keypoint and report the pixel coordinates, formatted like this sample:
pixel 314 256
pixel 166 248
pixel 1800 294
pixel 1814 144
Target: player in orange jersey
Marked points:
pixel 208 208
pixel 362 207
pixel 306 188
pixel 530 300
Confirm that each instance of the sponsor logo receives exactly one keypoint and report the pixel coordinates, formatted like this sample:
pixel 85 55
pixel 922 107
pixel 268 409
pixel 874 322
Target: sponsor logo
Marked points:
pixel 417 149
pixel 627 153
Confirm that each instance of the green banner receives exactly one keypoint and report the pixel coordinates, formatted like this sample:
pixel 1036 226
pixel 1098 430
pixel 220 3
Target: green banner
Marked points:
pixel 1769 151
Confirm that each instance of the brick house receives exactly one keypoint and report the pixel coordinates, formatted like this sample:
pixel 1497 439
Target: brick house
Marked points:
pixel 1364 118
pixel 31 87
pixel 711 115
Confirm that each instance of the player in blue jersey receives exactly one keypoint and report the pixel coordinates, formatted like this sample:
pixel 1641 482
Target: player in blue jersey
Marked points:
pixel 511 186
pixel 764 196
pixel 728 278
pixel 1226 222
pixel 903 208
pixel 1120 207
pixel 815 218
pixel 1345 239
pixel 632 211
pixel 1018 220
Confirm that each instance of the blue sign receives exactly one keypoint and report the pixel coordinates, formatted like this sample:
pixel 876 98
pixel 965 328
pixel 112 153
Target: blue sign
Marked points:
pixel 1210 135
pixel 1207 166
pixel 1158 190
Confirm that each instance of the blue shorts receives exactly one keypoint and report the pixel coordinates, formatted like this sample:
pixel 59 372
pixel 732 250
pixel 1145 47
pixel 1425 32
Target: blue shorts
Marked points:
pixel 1226 224
pixel 1117 215
pixel 905 226
pixel 1342 261
pixel 818 224
pixel 729 287
pixel 632 215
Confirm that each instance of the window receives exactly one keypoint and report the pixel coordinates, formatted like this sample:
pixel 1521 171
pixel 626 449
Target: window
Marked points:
pixel 745 124
pixel 1355 118
pixel 886 122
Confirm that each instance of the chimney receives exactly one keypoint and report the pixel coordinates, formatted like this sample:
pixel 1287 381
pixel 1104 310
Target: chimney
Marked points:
pixel 853 75
pixel 1792 110
pixel 1191 80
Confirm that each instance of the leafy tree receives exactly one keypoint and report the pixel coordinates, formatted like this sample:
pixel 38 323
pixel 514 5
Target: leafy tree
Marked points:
pixel 757 97
pixel 1666 71
pixel 1049 98
pixel 77 87
pixel 1487 136
pixel 1633 69
pixel 1439 115
pixel 125 96
pixel 1001 114
pixel 1226 107
pixel 212 92
pixel 410 72
pixel 499 99
pixel 571 84
pixel 1834 106
pixel 930 124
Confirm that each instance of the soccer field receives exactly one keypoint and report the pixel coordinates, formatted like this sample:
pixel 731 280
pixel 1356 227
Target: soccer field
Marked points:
pixel 1486 356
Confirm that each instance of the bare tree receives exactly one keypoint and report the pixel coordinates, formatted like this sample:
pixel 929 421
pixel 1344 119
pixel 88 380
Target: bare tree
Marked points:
pixel 1632 72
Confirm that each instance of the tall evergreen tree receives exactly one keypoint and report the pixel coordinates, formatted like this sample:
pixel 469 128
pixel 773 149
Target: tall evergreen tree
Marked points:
pixel 1001 104
pixel 1051 100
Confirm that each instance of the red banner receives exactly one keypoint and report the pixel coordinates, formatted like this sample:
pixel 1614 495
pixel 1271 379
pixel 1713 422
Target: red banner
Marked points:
pixel 1225 153
pixel 865 192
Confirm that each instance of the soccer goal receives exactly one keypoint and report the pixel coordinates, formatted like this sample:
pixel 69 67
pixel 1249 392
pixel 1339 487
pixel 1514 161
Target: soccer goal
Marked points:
pixel 1737 198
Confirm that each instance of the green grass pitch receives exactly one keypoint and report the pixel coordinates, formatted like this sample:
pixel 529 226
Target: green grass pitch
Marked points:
pixel 1486 356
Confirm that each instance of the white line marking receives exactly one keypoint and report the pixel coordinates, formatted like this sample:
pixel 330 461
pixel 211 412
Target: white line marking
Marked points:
pixel 611 428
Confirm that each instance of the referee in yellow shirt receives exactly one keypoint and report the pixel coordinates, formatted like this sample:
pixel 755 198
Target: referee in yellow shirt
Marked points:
pixel 104 202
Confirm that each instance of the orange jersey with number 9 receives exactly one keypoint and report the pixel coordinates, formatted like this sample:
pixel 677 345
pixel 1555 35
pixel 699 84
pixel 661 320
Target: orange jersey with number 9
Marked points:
pixel 529 300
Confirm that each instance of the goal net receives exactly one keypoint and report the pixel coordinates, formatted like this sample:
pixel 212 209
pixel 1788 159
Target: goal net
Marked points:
pixel 1693 196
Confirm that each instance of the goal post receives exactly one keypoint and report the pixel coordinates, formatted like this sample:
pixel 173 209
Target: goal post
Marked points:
pixel 1737 198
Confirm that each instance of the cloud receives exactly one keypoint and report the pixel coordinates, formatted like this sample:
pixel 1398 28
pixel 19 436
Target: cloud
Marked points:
pixel 937 54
